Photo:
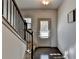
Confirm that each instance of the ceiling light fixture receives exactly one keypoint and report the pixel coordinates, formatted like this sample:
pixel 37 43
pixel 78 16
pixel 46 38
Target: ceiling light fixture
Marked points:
pixel 45 2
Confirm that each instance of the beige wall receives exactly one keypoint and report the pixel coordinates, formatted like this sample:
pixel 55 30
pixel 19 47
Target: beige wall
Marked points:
pixel 35 14
pixel 12 46
pixel 66 31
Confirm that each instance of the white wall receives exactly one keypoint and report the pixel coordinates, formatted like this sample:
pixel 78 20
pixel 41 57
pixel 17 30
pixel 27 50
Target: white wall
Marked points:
pixel 66 31
pixel 13 47
pixel 35 14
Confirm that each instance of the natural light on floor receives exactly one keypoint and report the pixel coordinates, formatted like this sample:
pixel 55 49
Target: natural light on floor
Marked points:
pixel 44 56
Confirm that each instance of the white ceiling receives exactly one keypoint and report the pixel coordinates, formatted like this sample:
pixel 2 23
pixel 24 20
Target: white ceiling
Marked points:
pixel 36 4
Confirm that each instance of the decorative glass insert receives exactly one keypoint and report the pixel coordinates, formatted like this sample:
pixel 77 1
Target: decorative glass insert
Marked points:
pixel 44 31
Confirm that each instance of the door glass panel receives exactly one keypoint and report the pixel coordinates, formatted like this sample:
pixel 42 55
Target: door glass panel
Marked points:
pixel 44 31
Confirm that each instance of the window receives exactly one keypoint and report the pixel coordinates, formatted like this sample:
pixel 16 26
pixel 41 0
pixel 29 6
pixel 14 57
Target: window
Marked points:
pixel 29 22
pixel 44 56
pixel 44 30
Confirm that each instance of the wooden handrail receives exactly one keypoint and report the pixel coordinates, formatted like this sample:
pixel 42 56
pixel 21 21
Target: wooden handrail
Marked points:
pixel 21 15
pixel 18 10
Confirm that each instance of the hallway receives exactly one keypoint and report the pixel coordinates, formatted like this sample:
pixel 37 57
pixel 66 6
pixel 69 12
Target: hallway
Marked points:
pixel 39 29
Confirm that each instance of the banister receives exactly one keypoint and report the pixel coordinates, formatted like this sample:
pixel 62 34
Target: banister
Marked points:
pixel 31 33
pixel 18 9
pixel 19 26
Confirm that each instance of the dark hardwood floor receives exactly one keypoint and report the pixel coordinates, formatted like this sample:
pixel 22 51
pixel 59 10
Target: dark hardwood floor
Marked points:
pixel 52 52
